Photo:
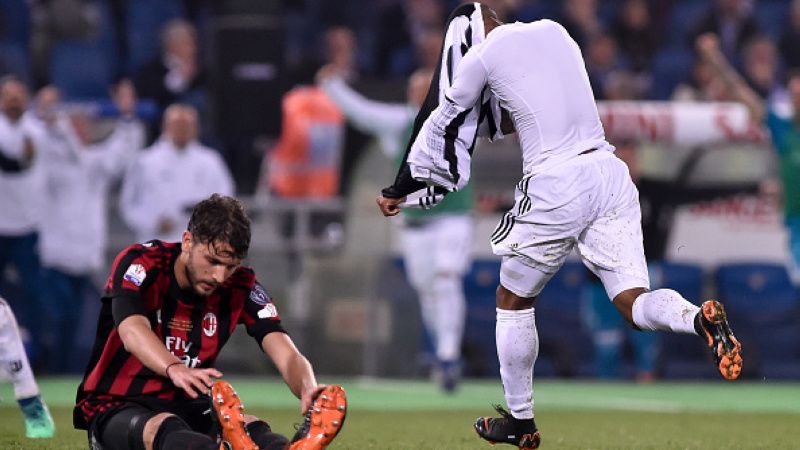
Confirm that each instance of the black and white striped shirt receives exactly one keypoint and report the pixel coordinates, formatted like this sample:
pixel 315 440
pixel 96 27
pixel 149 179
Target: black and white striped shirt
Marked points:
pixel 536 71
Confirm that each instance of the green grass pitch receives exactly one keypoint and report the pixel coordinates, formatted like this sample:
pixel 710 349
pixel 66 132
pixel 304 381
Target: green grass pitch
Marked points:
pixel 406 415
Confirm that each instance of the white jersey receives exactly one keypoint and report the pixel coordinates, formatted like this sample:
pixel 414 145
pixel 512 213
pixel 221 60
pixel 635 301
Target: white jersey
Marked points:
pixel 536 72
pixel 73 231
pixel 21 192
pixel 166 182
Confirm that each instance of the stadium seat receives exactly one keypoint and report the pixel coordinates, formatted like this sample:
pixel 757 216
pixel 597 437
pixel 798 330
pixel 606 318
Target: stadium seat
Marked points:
pixel 14 59
pixel 763 309
pixel 81 70
pixel 671 66
pixel 685 15
pixel 16 18
pixel 772 15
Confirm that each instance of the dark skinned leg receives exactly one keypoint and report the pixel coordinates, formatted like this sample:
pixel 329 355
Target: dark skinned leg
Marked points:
pixel 624 303
pixel 511 301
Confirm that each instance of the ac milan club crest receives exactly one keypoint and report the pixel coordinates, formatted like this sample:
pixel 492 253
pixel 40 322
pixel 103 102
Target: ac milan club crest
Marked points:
pixel 209 324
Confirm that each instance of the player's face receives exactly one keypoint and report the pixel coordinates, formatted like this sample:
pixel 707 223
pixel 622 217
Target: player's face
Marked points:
pixel 208 265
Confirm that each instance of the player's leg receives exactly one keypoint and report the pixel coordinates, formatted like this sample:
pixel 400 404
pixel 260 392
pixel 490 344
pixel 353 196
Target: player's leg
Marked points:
pixel 14 364
pixel 667 310
pixel 417 241
pixel 452 258
pixel 534 238
pixel 322 422
pixel 136 427
pixel 612 248
pixel 517 349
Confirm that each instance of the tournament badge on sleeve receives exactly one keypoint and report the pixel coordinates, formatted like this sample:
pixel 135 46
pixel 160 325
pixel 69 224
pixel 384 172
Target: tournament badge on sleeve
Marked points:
pixel 135 274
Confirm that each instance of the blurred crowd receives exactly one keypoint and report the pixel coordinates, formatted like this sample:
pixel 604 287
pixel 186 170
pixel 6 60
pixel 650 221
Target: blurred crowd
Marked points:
pixel 99 93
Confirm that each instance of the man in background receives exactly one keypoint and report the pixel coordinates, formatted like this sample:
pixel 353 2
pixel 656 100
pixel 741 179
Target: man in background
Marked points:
pixel 176 172
pixel 784 126
pixel 437 243
pixel 78 177
pixel 21 194
pixel 167 311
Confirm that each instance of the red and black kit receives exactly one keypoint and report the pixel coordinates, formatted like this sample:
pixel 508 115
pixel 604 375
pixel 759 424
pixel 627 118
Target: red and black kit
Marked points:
pixel 192 327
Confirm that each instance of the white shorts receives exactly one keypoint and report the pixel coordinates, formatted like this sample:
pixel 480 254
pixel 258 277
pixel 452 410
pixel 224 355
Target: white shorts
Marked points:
pixel 442 245
pixel 590 201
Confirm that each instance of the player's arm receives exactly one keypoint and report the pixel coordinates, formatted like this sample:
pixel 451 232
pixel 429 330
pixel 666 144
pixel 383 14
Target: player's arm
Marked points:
pixel 140 341
pixel 128 283
pixel 469 80
pixel 387 121
pixel 118 150
pixel 293 366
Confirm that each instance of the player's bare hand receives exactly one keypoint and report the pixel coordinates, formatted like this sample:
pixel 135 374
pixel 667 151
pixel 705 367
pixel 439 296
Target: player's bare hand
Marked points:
pixel 308 396
pixel 389 206
pixel 193 381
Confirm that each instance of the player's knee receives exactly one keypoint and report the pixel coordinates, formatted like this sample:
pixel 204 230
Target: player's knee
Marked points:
pixel 508 300
pixel 128 428
pixel 159 426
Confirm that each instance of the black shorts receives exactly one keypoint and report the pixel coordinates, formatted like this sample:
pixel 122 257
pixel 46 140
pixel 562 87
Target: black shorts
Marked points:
pixel 193 412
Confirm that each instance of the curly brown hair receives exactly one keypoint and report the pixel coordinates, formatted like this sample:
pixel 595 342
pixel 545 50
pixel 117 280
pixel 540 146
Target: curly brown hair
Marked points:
pixel 221 219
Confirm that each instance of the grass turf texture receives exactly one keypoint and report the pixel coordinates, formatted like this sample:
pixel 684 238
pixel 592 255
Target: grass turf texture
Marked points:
pixel 414 415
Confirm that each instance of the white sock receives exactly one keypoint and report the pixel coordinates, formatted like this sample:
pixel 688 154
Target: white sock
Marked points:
pixel 451 312
pixel 13 360
pixel 664 310
pixel 517 349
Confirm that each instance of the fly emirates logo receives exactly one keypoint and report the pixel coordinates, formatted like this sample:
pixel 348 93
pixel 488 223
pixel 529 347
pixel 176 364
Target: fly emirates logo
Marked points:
pixel 180 348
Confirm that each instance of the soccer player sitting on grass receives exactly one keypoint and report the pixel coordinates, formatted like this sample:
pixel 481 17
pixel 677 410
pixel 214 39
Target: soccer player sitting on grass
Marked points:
pixel 14 365
pixel 167 311
pixel 574 193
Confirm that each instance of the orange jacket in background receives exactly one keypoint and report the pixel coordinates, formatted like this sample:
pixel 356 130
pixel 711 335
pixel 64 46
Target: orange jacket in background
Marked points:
pixel 305 161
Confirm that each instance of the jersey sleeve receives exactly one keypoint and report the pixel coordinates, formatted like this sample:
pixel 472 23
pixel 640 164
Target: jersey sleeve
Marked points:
pixel 260 316
pixel 130 276
pixel 441 154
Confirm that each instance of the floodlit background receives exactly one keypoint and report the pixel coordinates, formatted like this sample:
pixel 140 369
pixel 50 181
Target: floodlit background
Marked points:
pixel 709 177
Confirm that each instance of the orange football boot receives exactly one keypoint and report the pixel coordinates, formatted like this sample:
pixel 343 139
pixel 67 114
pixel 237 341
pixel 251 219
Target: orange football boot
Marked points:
pixel 323 420
pixel 726 349
pixel 229 415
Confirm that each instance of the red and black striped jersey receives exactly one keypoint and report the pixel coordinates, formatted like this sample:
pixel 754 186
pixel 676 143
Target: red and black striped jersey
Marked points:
pixel 192 327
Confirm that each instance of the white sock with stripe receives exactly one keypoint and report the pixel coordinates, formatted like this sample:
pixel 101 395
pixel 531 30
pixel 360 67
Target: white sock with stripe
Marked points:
pixel 664 310
pixel 517 349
